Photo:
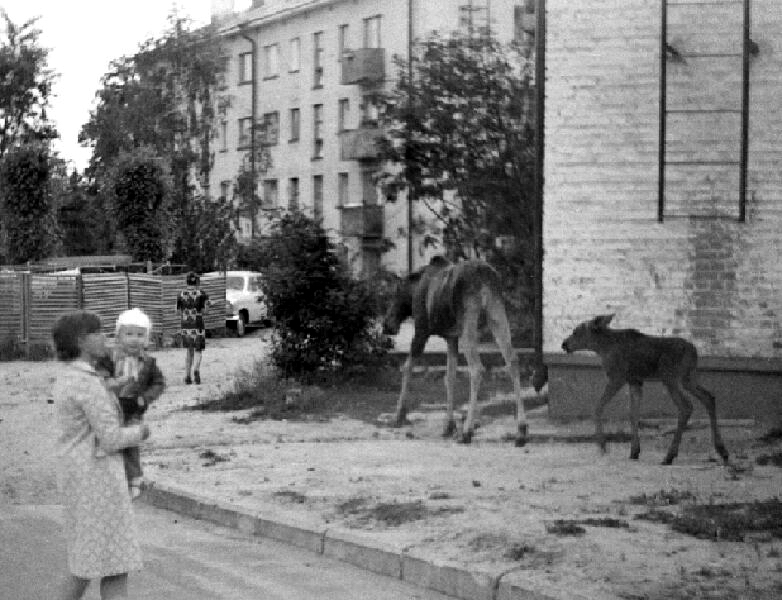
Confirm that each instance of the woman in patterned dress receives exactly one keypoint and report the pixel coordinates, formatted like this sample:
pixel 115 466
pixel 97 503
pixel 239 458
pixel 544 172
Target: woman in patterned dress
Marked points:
pixel 191 303
pixel 99 524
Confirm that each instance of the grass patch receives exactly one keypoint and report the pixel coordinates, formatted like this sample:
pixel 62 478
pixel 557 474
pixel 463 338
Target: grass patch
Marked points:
pixel 212 458
pixel 731 522
pixel 576 526
pixel 774 459
pixel 291 496
pixel 362 395
pixel 663 498
pixel 12 349
pixel 392 514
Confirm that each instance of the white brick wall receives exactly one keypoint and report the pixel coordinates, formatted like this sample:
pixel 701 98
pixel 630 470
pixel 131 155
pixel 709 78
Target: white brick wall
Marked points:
pixel 709 278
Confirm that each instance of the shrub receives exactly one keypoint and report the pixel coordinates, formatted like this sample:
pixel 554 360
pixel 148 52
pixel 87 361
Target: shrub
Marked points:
pixel 325 319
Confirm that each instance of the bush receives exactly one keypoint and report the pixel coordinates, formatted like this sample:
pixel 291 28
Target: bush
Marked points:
pixel 325 319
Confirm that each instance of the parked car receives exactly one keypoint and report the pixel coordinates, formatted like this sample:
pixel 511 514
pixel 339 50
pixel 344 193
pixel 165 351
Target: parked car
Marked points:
pixel 244 302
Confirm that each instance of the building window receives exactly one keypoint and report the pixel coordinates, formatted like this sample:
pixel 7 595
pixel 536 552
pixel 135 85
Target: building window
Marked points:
pixel 317 197
pixel 270 198
pixel 368 188
pixel 293 193
pixel 343 191
pixel 344 114
pixel 295 125
pixel 271 129
pixel 372 32
pixel 317 128
pixel 473 18
pixel 225 189
pixel 271 61
pixel 369 111
pixel 245 136
pixel 223 135
pixel 294 48
pixel 317 59
pixel 246 67
pixel 344 45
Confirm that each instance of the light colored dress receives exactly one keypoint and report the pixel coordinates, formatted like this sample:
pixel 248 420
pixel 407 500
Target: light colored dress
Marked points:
pixel 99 525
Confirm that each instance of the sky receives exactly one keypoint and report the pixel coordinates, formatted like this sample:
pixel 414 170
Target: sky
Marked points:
pixel 83 37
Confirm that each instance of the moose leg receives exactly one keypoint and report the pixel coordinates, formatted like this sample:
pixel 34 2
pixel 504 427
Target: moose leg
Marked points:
pixel 450 385
pixel 612 387
pixel 474 365
pixel 416 349
pixel 685 410
pixel 635 410
pixel 707 398
pixel 498 322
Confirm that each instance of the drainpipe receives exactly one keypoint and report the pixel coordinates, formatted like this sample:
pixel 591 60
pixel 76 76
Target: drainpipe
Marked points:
pixel 410 98
pixel 537 227
pixel 254 119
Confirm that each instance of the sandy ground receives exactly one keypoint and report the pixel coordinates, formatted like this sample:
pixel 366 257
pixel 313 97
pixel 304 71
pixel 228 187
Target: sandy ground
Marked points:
pixel 486 506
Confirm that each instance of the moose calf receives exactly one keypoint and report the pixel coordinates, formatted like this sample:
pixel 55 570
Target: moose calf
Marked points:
pixel 631 357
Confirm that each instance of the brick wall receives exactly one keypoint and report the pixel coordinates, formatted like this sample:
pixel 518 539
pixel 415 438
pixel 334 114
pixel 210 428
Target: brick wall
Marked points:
pixel 700 273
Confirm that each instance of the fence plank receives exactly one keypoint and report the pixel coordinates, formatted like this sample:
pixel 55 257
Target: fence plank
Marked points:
pixel 11 322
pixel 51 295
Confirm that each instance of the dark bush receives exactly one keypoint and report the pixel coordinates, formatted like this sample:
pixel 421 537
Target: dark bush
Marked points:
pixel 325 318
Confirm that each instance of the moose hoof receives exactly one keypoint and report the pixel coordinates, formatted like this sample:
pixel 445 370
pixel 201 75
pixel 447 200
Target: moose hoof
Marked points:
pixel 400 421
pixel 449 429
pixel 465 438
pixel 668 460
pixel 521 435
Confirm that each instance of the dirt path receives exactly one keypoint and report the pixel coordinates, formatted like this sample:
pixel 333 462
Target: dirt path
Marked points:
pixel 487 506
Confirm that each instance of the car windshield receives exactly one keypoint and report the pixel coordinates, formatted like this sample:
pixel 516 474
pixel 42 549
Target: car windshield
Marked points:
pixel 255 284
pixel 234 283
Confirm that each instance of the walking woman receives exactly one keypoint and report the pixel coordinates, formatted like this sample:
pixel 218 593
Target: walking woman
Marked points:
pixel 99 523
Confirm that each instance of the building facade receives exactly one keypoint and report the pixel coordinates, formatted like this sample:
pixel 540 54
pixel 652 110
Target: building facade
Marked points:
pixel 663 188
pixel 317 65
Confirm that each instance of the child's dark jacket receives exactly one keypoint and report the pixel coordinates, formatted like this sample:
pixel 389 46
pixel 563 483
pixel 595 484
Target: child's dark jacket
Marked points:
pixel 136 396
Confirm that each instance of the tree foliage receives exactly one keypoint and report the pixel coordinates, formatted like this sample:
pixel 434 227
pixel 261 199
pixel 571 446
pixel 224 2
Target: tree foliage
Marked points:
pixel 139 190
pixel 324 317
pixel 167 98
pixel 25 86
pixel 458 137
pixel 28 222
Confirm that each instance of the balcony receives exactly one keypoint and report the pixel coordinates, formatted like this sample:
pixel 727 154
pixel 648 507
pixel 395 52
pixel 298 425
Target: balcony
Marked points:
pixel 365 222
pixel 360 144
pixel 363 66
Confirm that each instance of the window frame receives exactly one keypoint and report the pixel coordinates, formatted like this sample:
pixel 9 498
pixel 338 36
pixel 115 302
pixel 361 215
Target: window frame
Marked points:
pixel 244 136
pixel 294 49
pixel 271 71
pixel 368 32
pixel 270 188
pixel 294 193
pixel 245 67
pixel 318 54
pixel 294 120
pixel 317 131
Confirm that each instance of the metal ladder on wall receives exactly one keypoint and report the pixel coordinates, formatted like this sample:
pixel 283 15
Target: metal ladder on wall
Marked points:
pixel 669 53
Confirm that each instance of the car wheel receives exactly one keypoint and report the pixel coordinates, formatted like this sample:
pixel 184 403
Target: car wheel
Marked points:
pixel 240 326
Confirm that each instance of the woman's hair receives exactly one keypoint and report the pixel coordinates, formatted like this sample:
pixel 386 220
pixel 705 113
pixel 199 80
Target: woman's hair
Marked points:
pixel 192 278
pixel 69 328
pixel 134 316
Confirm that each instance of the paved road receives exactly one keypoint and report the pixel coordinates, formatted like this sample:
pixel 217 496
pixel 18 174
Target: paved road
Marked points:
pixel 186 559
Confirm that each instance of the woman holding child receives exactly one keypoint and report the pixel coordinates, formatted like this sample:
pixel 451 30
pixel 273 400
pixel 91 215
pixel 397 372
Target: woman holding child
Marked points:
pixel 99 523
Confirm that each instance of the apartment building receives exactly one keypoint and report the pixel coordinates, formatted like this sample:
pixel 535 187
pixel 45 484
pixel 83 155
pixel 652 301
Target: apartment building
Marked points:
pixel 305 71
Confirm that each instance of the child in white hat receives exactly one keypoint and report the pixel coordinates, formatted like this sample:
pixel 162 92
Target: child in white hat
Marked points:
pixel 137 381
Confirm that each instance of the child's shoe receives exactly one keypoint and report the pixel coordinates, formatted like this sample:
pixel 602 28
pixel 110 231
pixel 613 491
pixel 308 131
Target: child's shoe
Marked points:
pixel 197 376
pixel 188 381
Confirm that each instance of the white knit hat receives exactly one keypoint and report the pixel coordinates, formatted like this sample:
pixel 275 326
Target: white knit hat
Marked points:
pixel 134 316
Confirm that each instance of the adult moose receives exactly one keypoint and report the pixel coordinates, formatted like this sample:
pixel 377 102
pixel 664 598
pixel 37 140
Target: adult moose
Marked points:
pixel 631 357
pixel 448 299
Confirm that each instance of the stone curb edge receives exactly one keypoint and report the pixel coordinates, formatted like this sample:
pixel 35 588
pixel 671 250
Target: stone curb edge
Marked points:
pixel 396 563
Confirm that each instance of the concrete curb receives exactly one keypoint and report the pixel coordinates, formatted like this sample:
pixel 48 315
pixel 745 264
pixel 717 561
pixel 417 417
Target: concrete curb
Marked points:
pixel 400 563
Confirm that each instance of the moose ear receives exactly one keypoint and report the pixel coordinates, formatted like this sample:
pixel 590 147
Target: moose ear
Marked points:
pixel 602 321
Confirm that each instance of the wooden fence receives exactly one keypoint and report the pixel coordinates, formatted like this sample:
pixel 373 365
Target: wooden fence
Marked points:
pixel 30 303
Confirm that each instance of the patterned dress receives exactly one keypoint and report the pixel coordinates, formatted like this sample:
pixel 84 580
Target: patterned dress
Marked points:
pixel 191 302
pixel 99 526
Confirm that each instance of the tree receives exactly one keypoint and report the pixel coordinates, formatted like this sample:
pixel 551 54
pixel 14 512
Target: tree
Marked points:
pixel 138 188
pixel 167 97
pixel 83 221
pixel 458 137
pixel 25 86
pixel 30 228
pixel 324 317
